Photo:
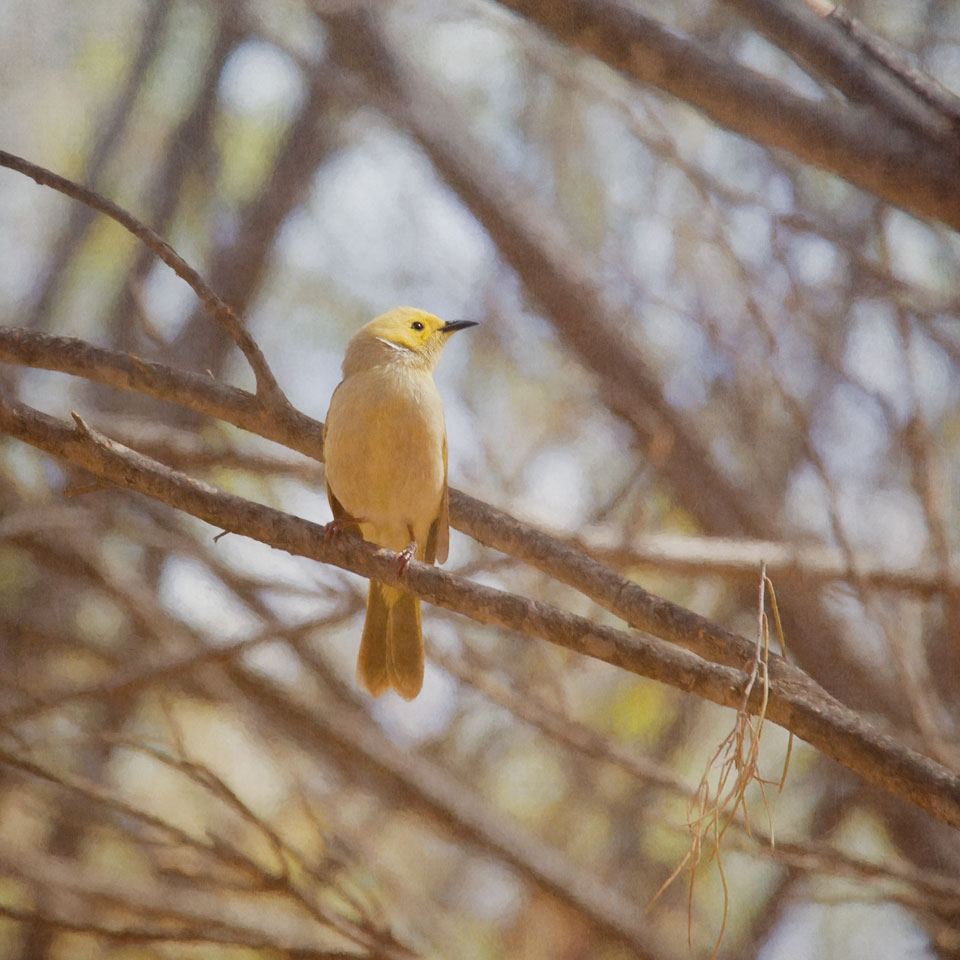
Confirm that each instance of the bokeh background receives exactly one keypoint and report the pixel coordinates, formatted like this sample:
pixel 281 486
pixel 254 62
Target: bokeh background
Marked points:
pixel 186 767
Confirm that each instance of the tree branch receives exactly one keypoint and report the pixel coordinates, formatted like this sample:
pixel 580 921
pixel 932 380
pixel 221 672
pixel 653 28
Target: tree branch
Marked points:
pixel 795 701
pixel 857 143
pixel 489 526
pixel 893 59
pixel 349 736
pixel 281 423
pixel 823 44
pixel 167 901
pixel 268 390
pixel 740 559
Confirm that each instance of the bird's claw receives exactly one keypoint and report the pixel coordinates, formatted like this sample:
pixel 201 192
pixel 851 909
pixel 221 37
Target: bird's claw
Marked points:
pixel 405 556
pixel 336 528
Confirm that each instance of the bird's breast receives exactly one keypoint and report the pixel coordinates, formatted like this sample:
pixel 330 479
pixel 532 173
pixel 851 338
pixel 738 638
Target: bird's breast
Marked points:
pixel 384 452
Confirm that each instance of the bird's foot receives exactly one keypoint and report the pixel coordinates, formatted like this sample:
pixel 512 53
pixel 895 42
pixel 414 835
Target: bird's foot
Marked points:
pixel 337 527
pixel 405 556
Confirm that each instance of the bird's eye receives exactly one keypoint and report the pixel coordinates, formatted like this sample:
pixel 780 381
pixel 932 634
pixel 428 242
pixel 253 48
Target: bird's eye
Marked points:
pixel 416 325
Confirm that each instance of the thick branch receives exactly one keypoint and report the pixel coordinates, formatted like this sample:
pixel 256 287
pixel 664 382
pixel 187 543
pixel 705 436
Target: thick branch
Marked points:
pixel 892 58
pixel 857 143
pixel 124 371
pixel 796 702
pixel 479 520
pixel 824 45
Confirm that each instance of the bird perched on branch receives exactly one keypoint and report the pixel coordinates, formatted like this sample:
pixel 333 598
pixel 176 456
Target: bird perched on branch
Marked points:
pixel 385 448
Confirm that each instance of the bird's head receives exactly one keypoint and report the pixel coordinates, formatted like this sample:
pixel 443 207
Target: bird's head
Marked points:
pixel 405 335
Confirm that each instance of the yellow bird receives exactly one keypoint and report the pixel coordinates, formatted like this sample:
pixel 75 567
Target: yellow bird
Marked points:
pixel 385 448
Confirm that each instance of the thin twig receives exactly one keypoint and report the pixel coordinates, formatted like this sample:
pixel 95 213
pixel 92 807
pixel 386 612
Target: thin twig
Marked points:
pixel 268 390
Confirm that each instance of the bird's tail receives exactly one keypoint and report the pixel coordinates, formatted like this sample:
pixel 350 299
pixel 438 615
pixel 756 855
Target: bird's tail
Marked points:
pixel 391 651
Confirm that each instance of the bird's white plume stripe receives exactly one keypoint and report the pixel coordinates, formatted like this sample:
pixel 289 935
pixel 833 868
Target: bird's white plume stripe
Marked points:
pixel 396 346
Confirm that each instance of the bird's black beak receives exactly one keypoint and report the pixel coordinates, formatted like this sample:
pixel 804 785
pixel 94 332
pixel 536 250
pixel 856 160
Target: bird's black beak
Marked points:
pixel 457 325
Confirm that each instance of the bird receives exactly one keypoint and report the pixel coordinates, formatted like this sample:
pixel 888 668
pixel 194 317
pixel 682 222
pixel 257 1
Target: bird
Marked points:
pixel 385 461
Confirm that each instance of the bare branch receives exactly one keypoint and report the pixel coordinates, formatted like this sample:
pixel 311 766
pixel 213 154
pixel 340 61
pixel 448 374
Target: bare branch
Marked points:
pixel 211 848
pixel 856 143
pixel 268 390
pixel 893 60
pixel 741 558
pixel 796 701
pixel 126 681
pixel 124 371
pixel 823 43
pixel 188 928
pixel 350 736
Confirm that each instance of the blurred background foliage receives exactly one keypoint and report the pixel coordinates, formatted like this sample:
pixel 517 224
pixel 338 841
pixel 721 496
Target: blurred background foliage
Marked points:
pixel 187 767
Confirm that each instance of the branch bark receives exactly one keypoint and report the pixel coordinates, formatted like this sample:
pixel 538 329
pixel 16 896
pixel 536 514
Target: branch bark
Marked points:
pixel 740 559
pixel 348 736
pixel 823 44
pixel 124 371
pixel 858 143
pixel 268 390
pixel 795 702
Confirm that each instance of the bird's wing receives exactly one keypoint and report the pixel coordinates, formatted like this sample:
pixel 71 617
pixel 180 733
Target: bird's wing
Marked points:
pixel 438 542
pixel 335 505
pixel 323 432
